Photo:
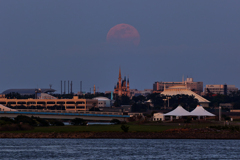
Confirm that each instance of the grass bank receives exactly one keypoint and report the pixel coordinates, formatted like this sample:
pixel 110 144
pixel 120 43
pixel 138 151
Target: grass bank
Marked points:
pixel 96 128
pixel 133 127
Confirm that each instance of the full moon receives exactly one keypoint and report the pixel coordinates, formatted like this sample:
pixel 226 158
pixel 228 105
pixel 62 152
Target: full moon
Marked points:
pixel 123 34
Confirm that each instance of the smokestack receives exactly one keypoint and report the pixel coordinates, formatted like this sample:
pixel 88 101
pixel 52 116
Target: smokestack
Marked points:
pixel 61 87
pixel 68 86
pixel 64 87
pixel 80 86
pixel 71 88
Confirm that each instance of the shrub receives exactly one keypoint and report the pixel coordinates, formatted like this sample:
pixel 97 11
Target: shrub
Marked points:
pixel 7 120
pixel 40 121
pixel 25 119
pixel 124 128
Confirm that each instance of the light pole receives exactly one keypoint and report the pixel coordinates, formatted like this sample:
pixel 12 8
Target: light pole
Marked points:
pixel 219 113
pixel 168 101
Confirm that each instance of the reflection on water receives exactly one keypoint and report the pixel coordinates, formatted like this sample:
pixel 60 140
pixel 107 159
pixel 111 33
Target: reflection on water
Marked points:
pixel 118 149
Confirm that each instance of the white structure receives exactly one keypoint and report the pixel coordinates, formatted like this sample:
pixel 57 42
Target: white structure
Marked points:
pixel 178 112
pixel 103 102
pixel 200 111
pixel 220 89
pixel 158 117
pixel 45 96
pixel 182 89
pixel 4 108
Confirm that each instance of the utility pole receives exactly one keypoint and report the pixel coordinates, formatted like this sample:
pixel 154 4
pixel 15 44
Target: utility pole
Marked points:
pixel 220 114
pixel 168 101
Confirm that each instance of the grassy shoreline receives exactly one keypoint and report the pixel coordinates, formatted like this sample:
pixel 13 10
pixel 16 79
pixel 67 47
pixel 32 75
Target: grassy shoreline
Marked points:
pixel 136 131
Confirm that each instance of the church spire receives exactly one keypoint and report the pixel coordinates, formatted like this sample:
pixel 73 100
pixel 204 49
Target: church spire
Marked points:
pixel 120 76
pixel 120 83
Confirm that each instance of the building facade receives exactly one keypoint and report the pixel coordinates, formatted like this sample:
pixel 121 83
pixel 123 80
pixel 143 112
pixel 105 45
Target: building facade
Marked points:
pixel 122 87
pixel 196 87
pixel 220 89
pixel 74 104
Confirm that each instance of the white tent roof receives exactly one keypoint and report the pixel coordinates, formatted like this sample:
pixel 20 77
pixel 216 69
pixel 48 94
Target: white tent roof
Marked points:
pixel 179 111
pixel 200 111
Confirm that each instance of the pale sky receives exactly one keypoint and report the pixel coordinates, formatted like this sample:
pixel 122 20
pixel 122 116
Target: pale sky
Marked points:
pixel 43 42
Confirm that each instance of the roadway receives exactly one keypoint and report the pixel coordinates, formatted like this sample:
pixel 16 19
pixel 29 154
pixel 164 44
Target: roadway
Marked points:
pixel 60 114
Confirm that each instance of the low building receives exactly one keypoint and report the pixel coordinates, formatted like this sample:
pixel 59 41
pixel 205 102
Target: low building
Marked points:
pixel 226 105
pixel 220 89
pixel 74 104
pixel 103 101
pixel 90 103
pixel 45 96
pixel 135 92
pixel 158 117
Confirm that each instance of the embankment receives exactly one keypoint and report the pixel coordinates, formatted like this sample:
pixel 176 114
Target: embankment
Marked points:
pixel 169 134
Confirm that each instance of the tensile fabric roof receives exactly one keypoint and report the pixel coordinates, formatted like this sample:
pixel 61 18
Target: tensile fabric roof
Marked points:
pixel 179 111
pixel 200 111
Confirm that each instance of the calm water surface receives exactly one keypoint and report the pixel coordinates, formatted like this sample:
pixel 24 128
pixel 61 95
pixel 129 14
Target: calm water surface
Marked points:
pixel 118 149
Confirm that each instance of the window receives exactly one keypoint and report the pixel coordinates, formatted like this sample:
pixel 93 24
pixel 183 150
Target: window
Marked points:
pixel 70 107
pixel 71 102
pixel 41 103
pixel 21 102
pixel 31 102
pixel 11 102
pixel 80 107
pixel 50 102
pixel 80 102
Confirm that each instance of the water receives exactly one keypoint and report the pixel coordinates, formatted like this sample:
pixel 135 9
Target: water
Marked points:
pixel 113 149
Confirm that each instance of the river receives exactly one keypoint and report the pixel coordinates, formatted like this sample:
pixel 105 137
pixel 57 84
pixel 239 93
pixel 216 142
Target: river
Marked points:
pixel 113 149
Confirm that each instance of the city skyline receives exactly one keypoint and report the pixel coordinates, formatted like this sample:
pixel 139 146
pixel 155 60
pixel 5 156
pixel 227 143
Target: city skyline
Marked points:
pixel 44 42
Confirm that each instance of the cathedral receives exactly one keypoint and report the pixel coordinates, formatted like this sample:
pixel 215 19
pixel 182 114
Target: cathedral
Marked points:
pixel 122 87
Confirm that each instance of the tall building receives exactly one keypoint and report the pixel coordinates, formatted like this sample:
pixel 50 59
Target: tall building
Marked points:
pixel 122 87
pixel 196 87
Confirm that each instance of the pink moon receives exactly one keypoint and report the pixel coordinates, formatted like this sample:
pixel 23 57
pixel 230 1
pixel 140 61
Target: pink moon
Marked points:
pixel 123 34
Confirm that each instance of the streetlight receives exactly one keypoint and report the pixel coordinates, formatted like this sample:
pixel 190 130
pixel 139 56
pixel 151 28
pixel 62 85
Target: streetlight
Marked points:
pixel 168 101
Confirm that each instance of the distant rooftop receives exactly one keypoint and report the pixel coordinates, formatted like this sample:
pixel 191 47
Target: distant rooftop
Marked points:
pixel 27 91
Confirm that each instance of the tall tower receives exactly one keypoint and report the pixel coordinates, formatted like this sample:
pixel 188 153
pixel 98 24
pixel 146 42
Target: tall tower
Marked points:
pixel 94 89
pixel 120 83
